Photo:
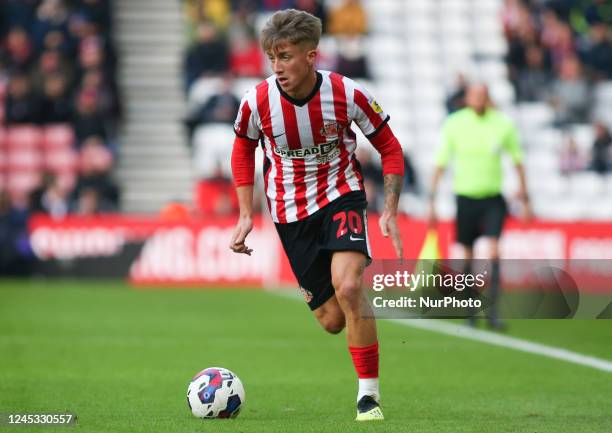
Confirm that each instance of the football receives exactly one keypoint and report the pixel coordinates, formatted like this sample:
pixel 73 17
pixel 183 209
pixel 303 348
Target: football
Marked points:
pixel 215 393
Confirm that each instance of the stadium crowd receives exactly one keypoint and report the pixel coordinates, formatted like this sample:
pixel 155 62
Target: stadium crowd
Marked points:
pixel 59 114
pixel 558 52
pixel 59 106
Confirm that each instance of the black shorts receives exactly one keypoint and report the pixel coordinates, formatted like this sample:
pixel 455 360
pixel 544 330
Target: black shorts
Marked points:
pixel 479 217
pixel 311 242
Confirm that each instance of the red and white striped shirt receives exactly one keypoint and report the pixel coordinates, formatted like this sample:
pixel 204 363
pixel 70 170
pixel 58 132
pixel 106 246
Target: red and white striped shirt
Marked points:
pixel 309 146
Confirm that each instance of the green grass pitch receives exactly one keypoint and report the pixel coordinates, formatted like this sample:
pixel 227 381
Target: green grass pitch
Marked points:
pixel 121 360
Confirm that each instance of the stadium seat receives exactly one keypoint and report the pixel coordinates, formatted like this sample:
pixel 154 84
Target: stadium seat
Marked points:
pixel 454 7
pixel 419 7
pixel 62 161
pixel 24 159
pixel 586 184
pixel 203 89
pixel 242 85
pixel 549 139
pixel 558 208
pixel 66 180
pixel 24 137
pixel 502 92
pixel 22 182
pixel 598 210
pixel 534 115
pixel 212 145
pixel 608 185
pixel 547 184
pixel 3 87
pixel 603 93
pixel 455 25
pixel 3 161
pixel 57 137
pixel 584 135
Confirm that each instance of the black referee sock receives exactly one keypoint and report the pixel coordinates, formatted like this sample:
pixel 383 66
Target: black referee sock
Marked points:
pixel 494 291
pixel 470 293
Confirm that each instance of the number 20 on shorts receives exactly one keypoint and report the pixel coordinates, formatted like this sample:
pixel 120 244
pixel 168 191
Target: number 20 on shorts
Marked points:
pixel 355 223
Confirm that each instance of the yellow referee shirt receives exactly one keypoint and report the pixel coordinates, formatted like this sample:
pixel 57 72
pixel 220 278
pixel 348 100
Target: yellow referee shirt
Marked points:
pixel 475 144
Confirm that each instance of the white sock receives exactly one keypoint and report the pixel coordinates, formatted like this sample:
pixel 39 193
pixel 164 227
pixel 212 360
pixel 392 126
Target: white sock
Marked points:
pixel 368 387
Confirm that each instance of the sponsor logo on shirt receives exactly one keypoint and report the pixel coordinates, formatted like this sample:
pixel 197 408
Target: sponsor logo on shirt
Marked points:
pixel 322 152
pixel 375 106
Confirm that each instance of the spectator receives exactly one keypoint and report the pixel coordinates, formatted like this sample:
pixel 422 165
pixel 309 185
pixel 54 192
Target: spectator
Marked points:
pixel 22 105
pixel 351 57
pixel 216 195
pixel 245 58
pixel 87 120
pixel 51 198
pixel 19 54
pixel 14 246
pixel 372 178
pixel 557 36
pixel 56 102
pixel 571 93
pixel 571 159
pixel 50 28
pixel 17 13
pixel 602 148
pixel 96 11
pixel 95 163
pixel 89 202
pixel 313 7
pixel 350 18
pixel 221 107
pixel 52 62
pixel 532 83
pixel 456 100
pixel 598 55
pixel 208 56
pixel 275 5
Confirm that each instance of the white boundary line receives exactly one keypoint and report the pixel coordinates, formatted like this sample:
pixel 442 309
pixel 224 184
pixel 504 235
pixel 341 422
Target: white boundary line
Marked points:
pixel 496 339
pixel 492 338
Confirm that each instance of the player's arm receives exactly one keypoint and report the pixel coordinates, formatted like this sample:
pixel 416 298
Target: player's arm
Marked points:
pixel 243 170
pixel 393 173
pixel 432 218
pixel 442 158
pixel 513 146
pixel 523 194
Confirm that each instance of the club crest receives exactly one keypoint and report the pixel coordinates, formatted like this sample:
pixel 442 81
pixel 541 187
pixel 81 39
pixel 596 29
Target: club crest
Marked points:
pixel 330 130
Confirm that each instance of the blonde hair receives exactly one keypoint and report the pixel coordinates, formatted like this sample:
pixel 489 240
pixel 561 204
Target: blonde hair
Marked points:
pixel 291 26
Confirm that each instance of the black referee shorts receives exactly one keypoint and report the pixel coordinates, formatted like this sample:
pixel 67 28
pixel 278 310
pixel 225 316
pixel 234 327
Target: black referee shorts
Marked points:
pixel 479 217
pixel 311 242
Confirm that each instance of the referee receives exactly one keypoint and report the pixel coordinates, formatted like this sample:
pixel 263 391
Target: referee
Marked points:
pixel 474 138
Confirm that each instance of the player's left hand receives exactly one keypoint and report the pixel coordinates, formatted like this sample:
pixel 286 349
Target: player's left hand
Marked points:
pixel 389 228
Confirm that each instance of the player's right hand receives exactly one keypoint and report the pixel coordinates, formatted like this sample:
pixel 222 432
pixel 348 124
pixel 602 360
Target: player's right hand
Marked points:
pixel 243 228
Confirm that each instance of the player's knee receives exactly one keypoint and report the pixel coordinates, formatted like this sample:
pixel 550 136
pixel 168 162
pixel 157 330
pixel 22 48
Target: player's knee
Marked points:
pixel 333 325
pixel 348 292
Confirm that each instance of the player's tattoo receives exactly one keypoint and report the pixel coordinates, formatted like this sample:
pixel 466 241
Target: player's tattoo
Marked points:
pixel 393 189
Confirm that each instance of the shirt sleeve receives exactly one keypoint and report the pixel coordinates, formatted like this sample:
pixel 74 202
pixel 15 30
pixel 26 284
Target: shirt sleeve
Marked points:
pixel 445 149
pixel 245 125
pixel 366 112
pixel 512 144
